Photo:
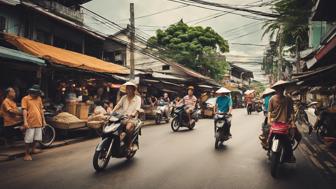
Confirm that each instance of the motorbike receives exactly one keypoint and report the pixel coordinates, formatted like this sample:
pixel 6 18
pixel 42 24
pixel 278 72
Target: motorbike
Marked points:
pixel 222 122
pixel 111 145
pixel 253 107
pixel 160 114
pixel 276 152
pixel 326 124
pixel 180 118
pixel 301 116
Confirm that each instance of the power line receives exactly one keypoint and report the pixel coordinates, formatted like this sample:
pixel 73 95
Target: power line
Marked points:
pixel 220 10
pixel 219 5
pixel 245 35
pixel 248 44
pixel 159 12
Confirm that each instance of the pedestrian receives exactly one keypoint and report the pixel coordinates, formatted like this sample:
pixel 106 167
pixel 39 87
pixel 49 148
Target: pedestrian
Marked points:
pixel 12 117
pixel 33 120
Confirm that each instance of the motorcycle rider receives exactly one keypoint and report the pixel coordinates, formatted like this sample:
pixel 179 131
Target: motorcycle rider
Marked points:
pixel 166 99
pixel 280 116
pixel 190 103
pixel 267 94
pixel 224 103
pixel 130 106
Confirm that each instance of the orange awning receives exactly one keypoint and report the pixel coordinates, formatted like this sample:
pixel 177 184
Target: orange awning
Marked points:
pixel 65 57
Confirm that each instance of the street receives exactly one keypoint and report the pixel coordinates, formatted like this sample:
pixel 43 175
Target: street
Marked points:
pixel 186 159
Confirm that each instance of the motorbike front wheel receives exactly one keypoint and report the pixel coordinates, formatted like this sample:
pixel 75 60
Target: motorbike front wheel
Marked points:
pixel 48 136
pixel 321 132
pixel 101 158
pixel 217 143
pixel 175 125
pixel 157 119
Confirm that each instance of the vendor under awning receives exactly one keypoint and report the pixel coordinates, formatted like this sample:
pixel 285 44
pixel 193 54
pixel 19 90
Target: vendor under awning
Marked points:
pixel 64 57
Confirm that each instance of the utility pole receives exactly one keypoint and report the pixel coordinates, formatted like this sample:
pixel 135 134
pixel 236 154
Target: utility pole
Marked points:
pixel 280 54
pixel 132 37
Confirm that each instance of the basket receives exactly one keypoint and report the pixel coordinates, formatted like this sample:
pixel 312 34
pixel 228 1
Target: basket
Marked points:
pixel 71 107
pixel 82 111
pixel 66 126
pixel 95 124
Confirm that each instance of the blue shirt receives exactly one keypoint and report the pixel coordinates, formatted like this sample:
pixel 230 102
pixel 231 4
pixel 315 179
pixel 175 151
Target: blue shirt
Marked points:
pixel 224 103
pixel 267 99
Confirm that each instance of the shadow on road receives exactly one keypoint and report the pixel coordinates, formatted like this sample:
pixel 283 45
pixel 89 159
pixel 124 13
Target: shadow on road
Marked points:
pixel 115 167
pixel 285 171
pixel 221 148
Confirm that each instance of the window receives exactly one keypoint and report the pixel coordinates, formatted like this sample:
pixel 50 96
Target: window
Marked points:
pixel 165 67
pixel 2 23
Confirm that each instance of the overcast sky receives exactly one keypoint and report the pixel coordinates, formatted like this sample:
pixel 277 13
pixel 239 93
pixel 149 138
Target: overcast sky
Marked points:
pixel 118 11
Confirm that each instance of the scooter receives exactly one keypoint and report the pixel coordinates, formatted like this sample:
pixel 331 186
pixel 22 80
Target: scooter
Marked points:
pixel 160 114
pixel 111 145
pixel 180 118
pixel 222 124
pixel 326 124
pixel 276 152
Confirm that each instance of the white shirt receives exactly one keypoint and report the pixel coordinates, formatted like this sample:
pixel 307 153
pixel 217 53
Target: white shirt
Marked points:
pixel 126 107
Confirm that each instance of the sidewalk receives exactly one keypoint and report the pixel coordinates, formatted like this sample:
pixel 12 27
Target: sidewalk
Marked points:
pixel 319 154
pixel 17 150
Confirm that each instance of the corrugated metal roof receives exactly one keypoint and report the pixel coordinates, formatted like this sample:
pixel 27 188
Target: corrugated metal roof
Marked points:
pixel 20 56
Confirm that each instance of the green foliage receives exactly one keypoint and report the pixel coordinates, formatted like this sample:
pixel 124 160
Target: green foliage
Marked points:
pixel 294 17
pixel 195 47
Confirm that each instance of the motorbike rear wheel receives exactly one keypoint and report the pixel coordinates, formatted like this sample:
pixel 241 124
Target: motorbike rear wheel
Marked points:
pixel 48 136
pixel 175 125
pixel 130 155
pixel 192 126
pixel 275 161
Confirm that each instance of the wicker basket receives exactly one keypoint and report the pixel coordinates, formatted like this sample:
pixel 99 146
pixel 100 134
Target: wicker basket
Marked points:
pixel 65 126
pixel 95 124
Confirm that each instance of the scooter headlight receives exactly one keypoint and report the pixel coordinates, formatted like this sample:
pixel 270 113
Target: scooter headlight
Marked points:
pixel 220 123
pixel 111 128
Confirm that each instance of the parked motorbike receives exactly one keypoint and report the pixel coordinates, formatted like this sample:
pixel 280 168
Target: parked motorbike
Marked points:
pixel 222 122
pixel 111 146
pixel 180 118
pixel 326 124
pixel 276 151
pixel 301 116
pixel 160 114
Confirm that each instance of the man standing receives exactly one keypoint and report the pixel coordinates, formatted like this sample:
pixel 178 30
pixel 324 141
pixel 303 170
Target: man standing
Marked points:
pixel 281 114
pixel 129 105
pixel 33 120
pixel 190 101
pixel 11 114
pixel 224 103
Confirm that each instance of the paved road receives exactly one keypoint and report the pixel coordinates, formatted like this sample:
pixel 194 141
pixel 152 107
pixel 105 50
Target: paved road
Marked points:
pixel 186 159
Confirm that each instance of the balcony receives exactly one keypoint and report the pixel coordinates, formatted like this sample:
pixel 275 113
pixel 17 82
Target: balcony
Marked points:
pixel 60 10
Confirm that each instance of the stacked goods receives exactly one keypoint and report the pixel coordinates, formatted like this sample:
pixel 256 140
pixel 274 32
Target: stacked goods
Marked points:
pixel 96 121
pixel 82 111
pixel 66 120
